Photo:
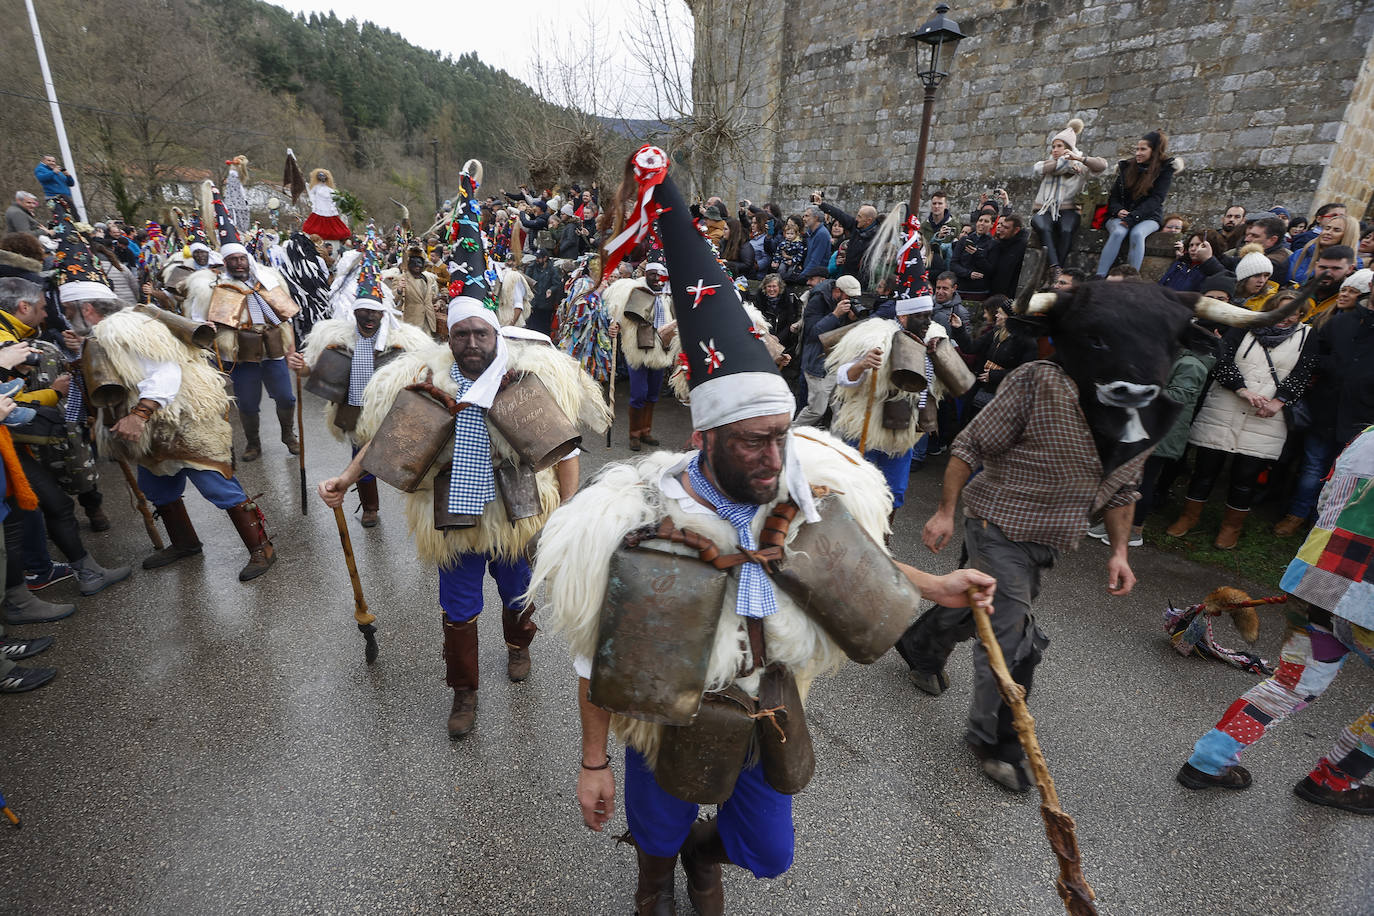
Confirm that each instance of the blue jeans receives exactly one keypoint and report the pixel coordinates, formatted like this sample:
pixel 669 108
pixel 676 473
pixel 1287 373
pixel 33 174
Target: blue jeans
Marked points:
pixel 896 468
pixel 1318 452
pixel 460 584
pixel 645 384
pixel 1117 232
pixel 755 821
pixel 222 492
pixel 249 379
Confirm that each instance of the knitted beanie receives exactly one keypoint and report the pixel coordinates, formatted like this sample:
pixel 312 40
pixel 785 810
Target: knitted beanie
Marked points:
pixel 1069 134
pixel 1359 281
pixel 1253 262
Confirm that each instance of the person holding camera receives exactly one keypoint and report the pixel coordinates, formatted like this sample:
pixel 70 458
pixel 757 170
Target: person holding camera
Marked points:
pixel 969 260
pixel 53 178
pixel 1062 177
pixel 831 305
pixel 859 231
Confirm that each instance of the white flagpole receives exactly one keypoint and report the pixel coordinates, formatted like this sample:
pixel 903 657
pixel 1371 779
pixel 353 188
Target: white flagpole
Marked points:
pixel 56 112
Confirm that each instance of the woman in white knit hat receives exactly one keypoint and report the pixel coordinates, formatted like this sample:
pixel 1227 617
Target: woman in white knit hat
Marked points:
pixel 1253 286
pixel 1355 290
pixel 1062 177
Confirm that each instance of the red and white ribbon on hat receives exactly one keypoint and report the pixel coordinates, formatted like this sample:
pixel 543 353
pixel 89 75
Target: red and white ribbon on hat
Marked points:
pixel 650 168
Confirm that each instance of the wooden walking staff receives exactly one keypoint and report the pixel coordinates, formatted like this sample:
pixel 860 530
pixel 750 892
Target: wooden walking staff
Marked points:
pixel 140 502
pixel 300 430
pixel 365 618
pixel 1073 888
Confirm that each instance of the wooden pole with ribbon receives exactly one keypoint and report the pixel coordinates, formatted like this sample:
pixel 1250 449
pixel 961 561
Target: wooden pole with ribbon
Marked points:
pixel 868 409
pixel 1073 888
pixel 610 390
pixel 140 503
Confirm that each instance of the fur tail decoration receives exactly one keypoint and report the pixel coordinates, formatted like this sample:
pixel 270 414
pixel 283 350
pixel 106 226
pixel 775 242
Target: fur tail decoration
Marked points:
pixel 1190 628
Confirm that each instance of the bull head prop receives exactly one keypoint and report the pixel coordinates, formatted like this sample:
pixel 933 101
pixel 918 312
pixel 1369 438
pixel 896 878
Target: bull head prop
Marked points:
pixel 1117 341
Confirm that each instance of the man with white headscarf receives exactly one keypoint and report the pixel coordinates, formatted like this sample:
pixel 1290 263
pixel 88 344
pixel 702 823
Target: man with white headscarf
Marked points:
pixel 363 340
pixel 475 529
pixel 738 501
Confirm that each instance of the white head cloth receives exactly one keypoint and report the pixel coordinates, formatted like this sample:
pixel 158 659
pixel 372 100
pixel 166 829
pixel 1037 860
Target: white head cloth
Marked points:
pixel 489 383
pixel 915 305
pixel 390 317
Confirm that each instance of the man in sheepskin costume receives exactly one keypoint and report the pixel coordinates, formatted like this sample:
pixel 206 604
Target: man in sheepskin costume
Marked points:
pixel 171 422
pixel 369 335
pixel 643 310
pixel 747 649
pixel 474 367
pixel 893 427
pixel 252 311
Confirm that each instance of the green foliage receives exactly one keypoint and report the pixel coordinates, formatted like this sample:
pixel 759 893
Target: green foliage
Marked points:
pixel 351 207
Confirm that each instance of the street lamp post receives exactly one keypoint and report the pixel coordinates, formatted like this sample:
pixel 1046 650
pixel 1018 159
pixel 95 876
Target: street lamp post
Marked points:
pixel 941 36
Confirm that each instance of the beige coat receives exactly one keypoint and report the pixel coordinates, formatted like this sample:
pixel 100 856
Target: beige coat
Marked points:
pixel 415 298
pixel 1228 423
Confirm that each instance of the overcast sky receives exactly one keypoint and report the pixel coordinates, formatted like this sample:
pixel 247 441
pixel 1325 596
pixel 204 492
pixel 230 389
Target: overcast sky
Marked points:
pixel 502 36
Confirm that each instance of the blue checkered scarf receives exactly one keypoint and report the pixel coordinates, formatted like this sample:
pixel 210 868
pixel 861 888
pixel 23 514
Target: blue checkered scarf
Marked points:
pixel 260 312
pixel 473 483
pixel 755 596
pixel 361 368
pixel 75 409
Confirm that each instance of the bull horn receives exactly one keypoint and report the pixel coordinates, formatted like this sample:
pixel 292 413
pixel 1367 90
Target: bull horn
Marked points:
pixel 1041 303
pixel 1213 310
pixel 473 169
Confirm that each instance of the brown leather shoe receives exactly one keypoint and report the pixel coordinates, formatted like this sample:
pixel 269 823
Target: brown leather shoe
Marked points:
pixel 248 521
pixel 180 531
pixel 1192 512
pixel 1289 525
pixel 286 416
pixel 702 856
pixel 1232 523
pixel 252 449
pixel 460 659
pixel 654 892
pixel 98 519
pixel 1359 800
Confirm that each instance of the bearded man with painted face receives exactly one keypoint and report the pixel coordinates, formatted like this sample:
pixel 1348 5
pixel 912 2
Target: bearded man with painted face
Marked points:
pixel 1061 445
pixel 476 494
pixel 343 353
pixel 702 592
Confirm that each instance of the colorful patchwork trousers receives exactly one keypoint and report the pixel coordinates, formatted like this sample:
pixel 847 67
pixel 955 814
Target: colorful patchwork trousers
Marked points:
pixel 1311 657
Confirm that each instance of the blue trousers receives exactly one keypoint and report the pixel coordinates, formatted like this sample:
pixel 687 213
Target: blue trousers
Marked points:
pixel 896 469
pixel 1117 232
pixel 645 384
pixel 755 821
pixel 1318 454
pixel 460 584
pixel 249 379
pixel 366 478
pixel 223 493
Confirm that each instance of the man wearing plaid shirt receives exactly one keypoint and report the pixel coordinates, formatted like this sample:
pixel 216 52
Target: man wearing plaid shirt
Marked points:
pixel 1039 482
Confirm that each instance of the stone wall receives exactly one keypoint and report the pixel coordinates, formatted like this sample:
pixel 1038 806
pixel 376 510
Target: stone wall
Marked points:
pixel 1266 101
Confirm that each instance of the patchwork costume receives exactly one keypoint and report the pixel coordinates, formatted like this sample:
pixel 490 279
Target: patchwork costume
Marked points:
pixel 1332 573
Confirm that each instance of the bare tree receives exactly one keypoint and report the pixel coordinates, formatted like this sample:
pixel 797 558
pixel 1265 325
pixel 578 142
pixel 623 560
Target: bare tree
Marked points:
pixel 707 89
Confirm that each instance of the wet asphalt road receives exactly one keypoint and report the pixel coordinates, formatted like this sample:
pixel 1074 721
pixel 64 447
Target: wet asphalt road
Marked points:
pixel 210 747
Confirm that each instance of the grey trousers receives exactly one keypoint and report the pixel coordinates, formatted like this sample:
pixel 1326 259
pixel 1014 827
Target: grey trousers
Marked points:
pixel 1017 566
pixel 818 391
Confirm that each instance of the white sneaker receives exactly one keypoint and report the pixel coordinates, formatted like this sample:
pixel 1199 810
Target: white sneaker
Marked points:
pixel 1099 531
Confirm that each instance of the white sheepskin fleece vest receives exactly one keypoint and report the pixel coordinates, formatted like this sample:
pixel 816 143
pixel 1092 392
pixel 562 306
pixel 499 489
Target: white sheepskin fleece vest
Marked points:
pixel 190 432
pixel 575 550
pixel 850 404
pixel 573 390
pixel 615 298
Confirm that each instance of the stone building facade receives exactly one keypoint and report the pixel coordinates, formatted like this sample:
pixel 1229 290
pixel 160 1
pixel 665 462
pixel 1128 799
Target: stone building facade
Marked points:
pixel 1268 102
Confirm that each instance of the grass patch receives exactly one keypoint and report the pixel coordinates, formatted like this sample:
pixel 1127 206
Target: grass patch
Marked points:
pixel 1259 556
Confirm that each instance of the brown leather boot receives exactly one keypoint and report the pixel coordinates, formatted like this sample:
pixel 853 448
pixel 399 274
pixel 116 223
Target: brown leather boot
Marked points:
pixel 646 421
pixel 702 856
pixel 98 519
pixel 180 532
pixel 636 414
pixel 1232 523
pixel 1289 525
pixel 654 893
pixel 249 523
pixel 460 658
pixel 1192 511
pixel 519 630
pixel 252 449
pixel 367 495
pixel 286 416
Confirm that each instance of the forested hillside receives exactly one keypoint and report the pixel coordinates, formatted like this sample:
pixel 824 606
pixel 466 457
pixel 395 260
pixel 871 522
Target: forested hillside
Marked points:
pixel 160 91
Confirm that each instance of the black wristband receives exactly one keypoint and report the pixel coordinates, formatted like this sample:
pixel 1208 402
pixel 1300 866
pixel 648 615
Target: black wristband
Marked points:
pixel 604 766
